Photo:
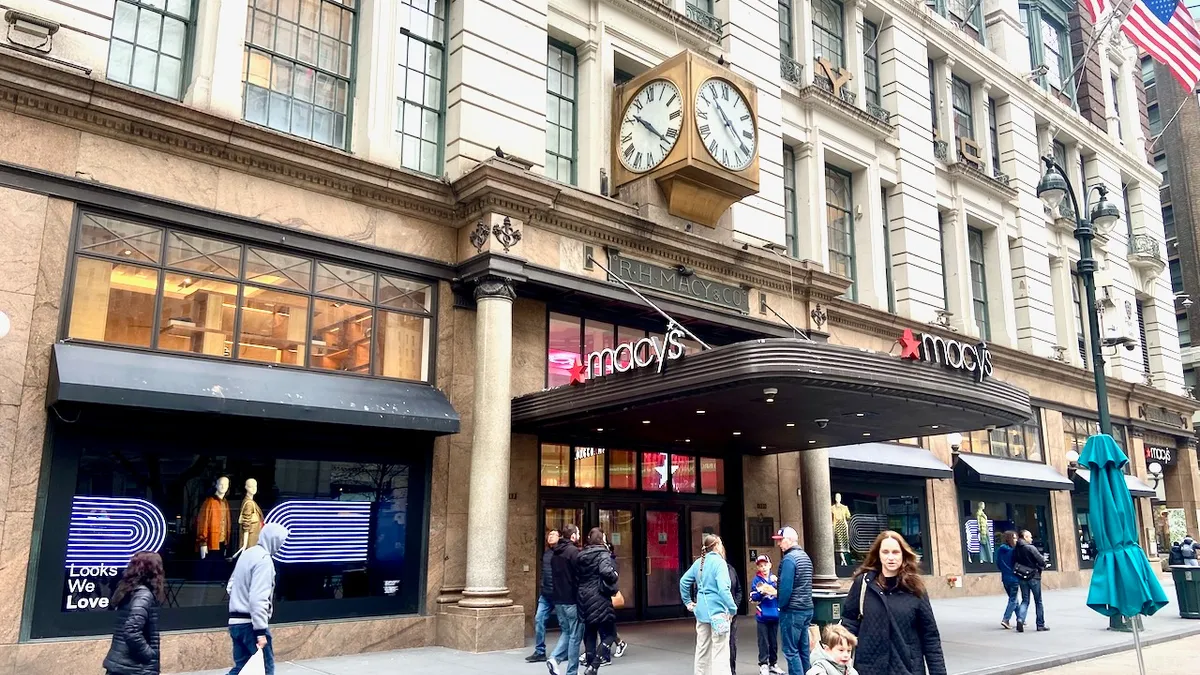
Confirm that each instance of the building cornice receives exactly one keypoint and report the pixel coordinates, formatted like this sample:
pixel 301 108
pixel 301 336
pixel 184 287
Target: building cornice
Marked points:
pixel 662 16
pixel 966 172
pixel 36 89
pixel 994 69
pixel 813 97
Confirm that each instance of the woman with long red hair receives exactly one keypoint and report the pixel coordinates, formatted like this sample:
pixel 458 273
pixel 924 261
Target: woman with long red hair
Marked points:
pixel 888 609
pixel 134 649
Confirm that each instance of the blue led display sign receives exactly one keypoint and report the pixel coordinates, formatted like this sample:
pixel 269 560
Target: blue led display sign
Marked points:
pixel 323 531
pixel 104 534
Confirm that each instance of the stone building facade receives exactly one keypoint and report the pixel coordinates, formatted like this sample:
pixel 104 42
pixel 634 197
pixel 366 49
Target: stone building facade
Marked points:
pixel 350 249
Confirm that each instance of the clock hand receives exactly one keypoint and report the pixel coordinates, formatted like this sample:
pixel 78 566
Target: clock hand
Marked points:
pixel 649 127
pixel 728 123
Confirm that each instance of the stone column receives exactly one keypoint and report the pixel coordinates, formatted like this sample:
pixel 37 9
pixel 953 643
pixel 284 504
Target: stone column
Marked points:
pixel 818 520
pixel 487 512
pixel 216 85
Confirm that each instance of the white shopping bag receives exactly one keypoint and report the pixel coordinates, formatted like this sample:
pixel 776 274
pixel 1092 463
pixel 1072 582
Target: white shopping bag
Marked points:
pixel 256 665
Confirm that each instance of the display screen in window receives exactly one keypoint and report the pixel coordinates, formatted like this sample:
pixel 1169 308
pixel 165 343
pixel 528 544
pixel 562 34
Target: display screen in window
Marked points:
pixel 347 521
pixel 861 514
pixel 985 522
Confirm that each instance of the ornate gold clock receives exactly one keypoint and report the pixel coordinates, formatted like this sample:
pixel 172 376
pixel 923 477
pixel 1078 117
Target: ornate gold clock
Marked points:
pixel 691 126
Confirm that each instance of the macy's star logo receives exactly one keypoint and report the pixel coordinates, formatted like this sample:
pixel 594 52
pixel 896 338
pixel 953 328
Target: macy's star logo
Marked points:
pixel 910 346
pixel 578 373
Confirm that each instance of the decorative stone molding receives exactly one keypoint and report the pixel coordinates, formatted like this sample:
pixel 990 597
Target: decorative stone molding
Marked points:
pixel 977 177
pixel 506 234
pixel 490 286
pixel 790 70
pixel 677 24
pixel 479 236
pixel 704 19
pixel 815 95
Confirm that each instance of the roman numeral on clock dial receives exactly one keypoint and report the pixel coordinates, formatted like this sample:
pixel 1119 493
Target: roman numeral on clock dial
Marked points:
pixel 725 124
pixel 650 126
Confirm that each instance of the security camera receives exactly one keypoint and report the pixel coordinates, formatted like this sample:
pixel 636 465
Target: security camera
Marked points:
pixel 822 423
pixel 1130 345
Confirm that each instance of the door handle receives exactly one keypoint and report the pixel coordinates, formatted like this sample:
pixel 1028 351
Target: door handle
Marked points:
pixel 649 565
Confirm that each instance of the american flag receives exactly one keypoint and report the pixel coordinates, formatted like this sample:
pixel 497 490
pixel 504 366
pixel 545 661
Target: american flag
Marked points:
pixel 1163 28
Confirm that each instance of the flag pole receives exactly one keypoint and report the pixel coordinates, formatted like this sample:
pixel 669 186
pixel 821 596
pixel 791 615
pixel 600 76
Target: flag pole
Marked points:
pixel 1154 141
pixel 1120 9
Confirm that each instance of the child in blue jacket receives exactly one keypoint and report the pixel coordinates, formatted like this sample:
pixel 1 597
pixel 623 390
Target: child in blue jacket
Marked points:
pixel 764 592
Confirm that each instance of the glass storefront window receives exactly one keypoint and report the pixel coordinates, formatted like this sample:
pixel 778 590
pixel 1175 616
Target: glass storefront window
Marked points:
pixel 556 471
pixel 683 474
pixel 563 348
pixel 356 520
pixel 712 476
pixel 288 309
pixel 622 470
pixel 1083 535
pixel 862 509
pixel 597 336
pixel 1077 430
pixel 984 517
pixel 589 467
pixel 1019 441
pixel 656 469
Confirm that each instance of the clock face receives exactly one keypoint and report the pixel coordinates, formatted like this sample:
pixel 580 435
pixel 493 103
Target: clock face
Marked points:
pixel 725 124
pixel 650 126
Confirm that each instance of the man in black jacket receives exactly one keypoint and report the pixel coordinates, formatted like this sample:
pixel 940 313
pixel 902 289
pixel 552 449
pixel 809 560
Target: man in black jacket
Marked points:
pixel 564 568
pixel 545 600
pixel 1027 556
pixel 735 589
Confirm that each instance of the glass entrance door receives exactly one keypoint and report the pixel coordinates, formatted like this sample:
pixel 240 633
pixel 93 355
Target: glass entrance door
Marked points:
pixel 664 561
pixel 618 524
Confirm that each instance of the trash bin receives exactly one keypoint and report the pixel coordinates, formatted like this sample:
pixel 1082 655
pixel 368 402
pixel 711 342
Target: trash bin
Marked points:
pixel 1187 590
pixel 827 607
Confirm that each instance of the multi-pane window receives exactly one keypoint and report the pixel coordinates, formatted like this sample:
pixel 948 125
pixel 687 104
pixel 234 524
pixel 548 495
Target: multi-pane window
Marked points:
pixel 1077 430
pixel 1148 78
pixel 960 91
pixel 149 43
pixel 1160 163
pixel 789 200
pixel 171 290
pixel 840 218
pixel 1176 275
pixel 298 66
pixel 560 113
pixel 942 258
pixel 933 99
pixel 586 467
pixel 1116 90
pixel 1141 318
pixel 887 252
pixel 572 338
pixel 871 61
pixel 1156 124
pixel 968 14
pixel 1048 46
pixel 1128 215
pixel 829 32
pixel 993 132
pixel 979 298
pixel 1168 216
pixel 1019 441
pixel 1052 53
pixel 420 83
pixel 1077 299
pixel 1184 330
pixel 785 28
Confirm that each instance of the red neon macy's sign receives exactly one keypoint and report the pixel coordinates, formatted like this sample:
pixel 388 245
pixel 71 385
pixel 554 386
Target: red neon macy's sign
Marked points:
pixel 975 359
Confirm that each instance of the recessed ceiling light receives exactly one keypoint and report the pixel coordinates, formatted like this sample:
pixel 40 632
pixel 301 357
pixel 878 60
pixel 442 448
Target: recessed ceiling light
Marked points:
pixel 791 424
pixel 645 421
pixel 866 433
pixel 860 414
pixel 699 412
pixel 811 442
pixel 687 440
pixel 737 433
pixel 763 447
pixel 770 400
pixel 933 426
pixel 599 428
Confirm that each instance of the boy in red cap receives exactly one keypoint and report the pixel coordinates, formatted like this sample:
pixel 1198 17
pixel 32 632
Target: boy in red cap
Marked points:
pixel 764 593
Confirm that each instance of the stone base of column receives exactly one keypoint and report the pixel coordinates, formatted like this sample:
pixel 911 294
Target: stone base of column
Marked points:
pixel 489 629
pixel 482 598
pixel 824 582
pixel 450 595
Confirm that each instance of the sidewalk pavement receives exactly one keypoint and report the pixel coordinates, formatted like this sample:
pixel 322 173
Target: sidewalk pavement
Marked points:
pixel 1171 657
pixel 972 639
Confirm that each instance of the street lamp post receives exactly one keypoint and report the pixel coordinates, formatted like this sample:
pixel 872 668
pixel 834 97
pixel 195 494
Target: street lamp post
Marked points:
pixel 1052 189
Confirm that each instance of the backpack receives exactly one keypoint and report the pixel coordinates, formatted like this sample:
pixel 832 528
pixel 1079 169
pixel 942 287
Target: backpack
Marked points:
pixel 1188 550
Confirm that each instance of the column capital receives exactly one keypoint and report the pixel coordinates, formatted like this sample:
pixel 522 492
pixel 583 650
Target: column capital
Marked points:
pixel 985 87
pixel 495 286
pixel 949 61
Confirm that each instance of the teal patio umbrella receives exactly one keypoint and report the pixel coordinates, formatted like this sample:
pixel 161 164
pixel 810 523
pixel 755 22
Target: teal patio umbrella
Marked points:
pixel 1123 582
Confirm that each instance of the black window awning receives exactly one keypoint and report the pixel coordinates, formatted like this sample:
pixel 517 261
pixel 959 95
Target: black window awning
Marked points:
pixel 88 374
pixel 1137 487
pixel 999 472
pixel 891 458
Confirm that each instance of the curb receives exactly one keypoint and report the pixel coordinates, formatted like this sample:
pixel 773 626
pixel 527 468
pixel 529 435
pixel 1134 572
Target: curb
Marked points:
pixel 1034 665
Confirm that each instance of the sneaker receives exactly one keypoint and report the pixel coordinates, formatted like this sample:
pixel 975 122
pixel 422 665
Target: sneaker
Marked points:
pixel 619 649
pixel 606 661
pixel 1042 629
pixel 535 658
pixel 590 670
pixel 776 670
pixel 1020 627
pixel 764 670
pixel 1005 626
pixel 583 659
pixel 550 667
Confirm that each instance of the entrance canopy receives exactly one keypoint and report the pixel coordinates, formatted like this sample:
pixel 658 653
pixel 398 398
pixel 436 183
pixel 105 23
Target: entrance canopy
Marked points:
pixel 823 396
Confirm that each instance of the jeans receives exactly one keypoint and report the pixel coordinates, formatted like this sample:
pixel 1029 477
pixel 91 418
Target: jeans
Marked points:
pixel 607 632
pixel 793 625
pixel 733 645
pixel 1011 588
pixel 712 651
pixel 1031 587
pixel 768 642
pixel 244 646
pixel 544 607
pixel 567 648
pixel 1191 562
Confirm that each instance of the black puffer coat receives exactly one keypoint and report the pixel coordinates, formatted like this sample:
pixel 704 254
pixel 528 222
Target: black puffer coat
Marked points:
pixel 134 649
pixel 897 634
pixel 597 585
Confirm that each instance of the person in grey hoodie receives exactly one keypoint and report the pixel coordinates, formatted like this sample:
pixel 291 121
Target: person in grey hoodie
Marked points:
pixel 251 590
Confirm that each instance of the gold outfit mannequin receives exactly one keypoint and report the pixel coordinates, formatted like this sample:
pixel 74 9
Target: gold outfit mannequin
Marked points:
pixel 841 529
pixel 251 517
pixel 985 534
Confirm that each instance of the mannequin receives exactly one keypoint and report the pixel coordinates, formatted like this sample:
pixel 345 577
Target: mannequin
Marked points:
pixel 251 516
pixel 985 534
pixel 213 525
pixel 841 530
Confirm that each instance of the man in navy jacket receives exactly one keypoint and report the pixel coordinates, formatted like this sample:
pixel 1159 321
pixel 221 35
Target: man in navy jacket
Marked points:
pixel 795 601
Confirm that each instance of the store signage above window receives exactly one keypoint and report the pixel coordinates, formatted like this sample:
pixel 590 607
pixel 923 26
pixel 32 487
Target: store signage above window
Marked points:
pixel 975 359
pixel 585 453
pixel 679 281
pixel 1161 454
pixel 627 356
